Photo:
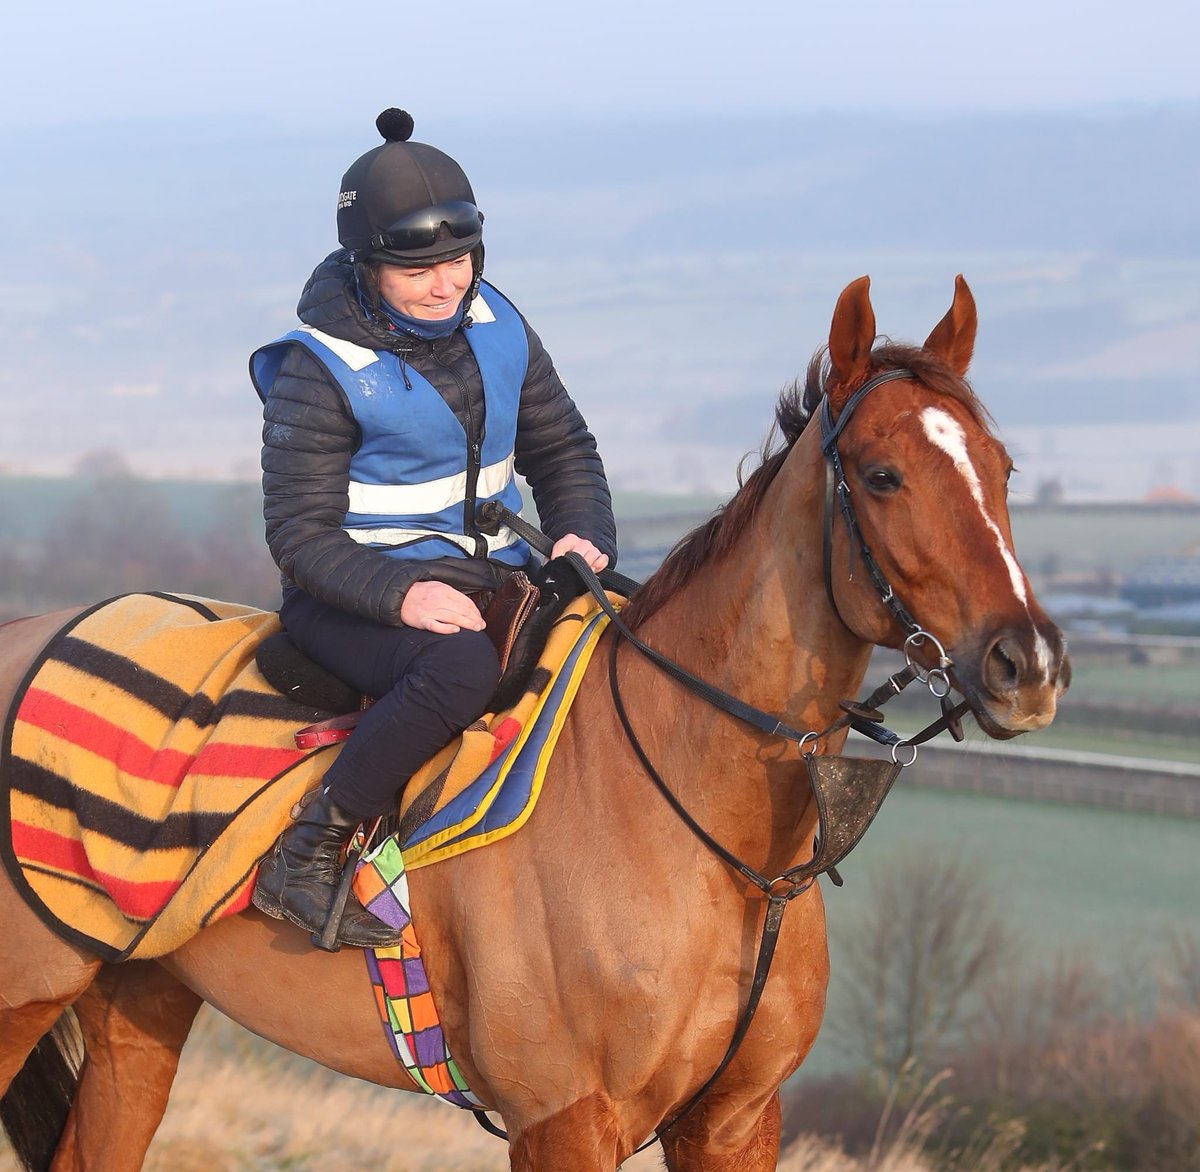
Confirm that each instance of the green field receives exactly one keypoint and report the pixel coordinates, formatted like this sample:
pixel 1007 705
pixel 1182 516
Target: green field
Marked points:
pixel 1098 884
pixel 1112 538
pixel 29 505
pixel 1073 877
pixel 1118 743
pixel 1075 539
pixel 1167 683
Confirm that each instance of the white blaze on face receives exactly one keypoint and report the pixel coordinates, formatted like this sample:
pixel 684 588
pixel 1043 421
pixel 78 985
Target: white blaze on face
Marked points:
pixel 946 433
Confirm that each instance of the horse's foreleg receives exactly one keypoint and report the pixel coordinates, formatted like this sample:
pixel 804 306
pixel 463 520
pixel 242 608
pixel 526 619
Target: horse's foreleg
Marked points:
pixel 582 1137
pixel 135 1019
pixel 697 1145
pixel 40 977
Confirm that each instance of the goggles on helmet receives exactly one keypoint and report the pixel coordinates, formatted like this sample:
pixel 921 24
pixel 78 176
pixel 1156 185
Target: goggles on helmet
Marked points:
pixel 420 229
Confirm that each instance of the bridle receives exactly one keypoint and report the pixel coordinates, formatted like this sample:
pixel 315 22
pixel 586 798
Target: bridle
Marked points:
pixel 872 779
pixel 837 494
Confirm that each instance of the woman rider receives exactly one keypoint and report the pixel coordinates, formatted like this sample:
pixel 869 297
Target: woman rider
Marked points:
pixel 410 393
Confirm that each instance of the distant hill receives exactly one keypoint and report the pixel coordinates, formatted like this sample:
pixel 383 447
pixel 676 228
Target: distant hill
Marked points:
pixel 1113 181
pixel 1054 539
pixel 680 272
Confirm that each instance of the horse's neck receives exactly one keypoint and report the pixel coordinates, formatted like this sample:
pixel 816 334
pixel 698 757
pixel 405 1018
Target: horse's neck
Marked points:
pixel 758 624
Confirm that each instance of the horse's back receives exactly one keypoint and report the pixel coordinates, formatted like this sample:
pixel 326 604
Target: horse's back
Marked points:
pixel 59 965
pixel 60 970
pixel 20 642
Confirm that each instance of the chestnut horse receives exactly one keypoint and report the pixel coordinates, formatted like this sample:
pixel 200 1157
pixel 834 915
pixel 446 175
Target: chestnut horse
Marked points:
pixel 590 969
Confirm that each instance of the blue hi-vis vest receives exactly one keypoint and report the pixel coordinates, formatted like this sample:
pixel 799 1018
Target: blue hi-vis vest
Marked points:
pixel 410 479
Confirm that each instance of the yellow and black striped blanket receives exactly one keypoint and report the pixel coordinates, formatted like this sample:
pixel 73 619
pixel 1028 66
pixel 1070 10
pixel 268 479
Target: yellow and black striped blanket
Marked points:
pixel 146 767
pixel 145 764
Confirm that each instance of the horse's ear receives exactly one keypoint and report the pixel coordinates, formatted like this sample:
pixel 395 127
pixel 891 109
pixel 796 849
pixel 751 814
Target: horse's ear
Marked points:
pixel 852 333
pixel 953 338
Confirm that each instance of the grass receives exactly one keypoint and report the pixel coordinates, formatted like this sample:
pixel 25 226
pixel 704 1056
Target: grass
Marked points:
pixel 1092 880
pixel 1167 683
pixel 29 504
pixel 240 1105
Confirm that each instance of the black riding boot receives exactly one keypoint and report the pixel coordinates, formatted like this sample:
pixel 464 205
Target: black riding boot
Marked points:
pixel 300 877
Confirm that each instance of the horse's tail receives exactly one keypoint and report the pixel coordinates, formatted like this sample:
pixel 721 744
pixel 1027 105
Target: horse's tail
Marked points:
pixel 33 1111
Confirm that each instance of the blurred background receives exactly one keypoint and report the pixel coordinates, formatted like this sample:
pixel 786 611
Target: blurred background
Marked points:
pixel 675 197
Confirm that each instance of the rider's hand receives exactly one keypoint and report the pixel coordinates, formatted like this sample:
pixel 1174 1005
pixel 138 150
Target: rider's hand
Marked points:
pixel 580 545
pixel 437 607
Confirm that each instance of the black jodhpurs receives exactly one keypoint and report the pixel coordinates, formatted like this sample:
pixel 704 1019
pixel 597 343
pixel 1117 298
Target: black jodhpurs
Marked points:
pixel 427 689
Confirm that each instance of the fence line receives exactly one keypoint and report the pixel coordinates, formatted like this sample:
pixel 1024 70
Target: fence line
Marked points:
pixel 1134 784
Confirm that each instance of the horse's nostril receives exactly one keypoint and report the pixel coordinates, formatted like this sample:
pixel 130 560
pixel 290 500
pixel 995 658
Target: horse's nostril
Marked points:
pixel 1003 667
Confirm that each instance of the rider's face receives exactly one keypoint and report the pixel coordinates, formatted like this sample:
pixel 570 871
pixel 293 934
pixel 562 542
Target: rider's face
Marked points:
pixel 432 293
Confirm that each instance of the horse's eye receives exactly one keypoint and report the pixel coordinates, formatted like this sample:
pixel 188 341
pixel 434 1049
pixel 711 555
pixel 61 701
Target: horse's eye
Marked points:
pixel 880 479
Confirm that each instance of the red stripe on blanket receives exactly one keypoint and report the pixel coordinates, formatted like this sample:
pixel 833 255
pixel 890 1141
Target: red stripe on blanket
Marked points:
pixel 133 756
pixel 242 901
pixel 225 760
pixel 53 850
pixel 107 740
pixel 136 901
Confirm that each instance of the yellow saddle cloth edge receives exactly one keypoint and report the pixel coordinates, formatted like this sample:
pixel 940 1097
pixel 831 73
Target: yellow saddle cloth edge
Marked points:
pixel 567 642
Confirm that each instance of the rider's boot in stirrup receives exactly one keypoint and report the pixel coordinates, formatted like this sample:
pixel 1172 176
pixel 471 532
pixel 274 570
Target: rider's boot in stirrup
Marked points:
pixel 300 877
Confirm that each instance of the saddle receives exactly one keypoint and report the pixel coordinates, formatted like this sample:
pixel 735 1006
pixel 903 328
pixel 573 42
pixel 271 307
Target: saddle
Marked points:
pixel 518 618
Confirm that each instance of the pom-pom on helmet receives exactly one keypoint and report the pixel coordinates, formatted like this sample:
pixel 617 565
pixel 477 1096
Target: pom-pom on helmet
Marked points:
pixel 406 203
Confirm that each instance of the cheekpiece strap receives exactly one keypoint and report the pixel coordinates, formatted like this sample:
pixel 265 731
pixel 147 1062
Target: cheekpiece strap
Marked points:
pixel 837 494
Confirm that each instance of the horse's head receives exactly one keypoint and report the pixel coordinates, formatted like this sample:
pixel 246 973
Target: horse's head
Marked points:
pixel 926 486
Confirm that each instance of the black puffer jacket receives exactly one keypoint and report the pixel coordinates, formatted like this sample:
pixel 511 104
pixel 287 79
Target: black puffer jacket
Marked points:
pixel 310 434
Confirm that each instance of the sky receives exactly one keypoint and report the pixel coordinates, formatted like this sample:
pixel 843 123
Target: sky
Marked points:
pixel 306 62
pixel 470 73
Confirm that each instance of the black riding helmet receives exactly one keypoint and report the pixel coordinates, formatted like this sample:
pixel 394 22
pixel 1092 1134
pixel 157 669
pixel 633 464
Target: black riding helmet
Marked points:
pixel 407 203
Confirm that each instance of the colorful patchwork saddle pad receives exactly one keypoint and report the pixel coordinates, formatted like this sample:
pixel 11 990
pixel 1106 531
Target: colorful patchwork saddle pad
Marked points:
pixel 146 767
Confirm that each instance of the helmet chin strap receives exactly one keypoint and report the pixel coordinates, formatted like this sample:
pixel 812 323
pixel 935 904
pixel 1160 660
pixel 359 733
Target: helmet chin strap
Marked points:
pixel 477 268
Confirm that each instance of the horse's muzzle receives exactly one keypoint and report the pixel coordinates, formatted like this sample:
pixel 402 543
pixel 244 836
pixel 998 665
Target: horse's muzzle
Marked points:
pixel 1015 681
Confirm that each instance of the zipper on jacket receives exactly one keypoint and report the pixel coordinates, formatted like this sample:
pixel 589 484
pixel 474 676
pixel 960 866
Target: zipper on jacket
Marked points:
pixel 474 460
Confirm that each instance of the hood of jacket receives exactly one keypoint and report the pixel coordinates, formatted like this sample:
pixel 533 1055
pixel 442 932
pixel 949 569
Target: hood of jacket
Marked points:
pixel 329 302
